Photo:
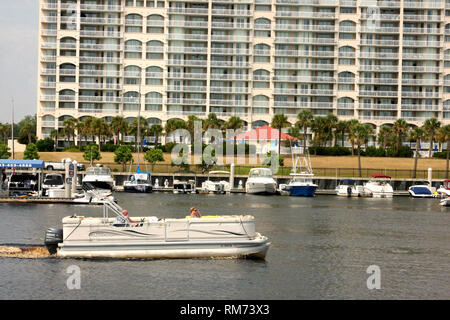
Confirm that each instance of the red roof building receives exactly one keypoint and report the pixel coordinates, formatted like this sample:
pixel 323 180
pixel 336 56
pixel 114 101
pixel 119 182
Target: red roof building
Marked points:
pixel 263 133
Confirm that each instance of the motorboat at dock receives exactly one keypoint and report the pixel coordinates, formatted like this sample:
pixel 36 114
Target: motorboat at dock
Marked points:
pixel 260 181
pixel 349 188
pixel 140 182
pixel 422 189
pixel 378 186
pixel 152 237
pixel 219 187
pixel 301 182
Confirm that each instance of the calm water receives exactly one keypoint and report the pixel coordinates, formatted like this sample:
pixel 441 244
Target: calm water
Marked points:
pixel 321 250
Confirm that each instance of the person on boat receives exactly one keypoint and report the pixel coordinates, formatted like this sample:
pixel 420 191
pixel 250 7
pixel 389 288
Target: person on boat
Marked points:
pixel 124 219
pixel 195 213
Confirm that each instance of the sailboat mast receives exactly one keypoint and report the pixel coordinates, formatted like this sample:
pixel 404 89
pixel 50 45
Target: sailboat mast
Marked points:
pixel 139 120
pixel 12 126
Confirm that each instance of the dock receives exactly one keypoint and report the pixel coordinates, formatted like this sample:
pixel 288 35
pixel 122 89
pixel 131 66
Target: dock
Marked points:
pixel 41 200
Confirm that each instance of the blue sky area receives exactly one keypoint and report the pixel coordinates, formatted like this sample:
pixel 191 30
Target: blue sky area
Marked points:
pixel 19 28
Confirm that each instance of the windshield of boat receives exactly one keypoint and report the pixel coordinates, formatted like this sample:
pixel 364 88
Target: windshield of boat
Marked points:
pixel 260 173
pixel 53 180
pixel 98 171
pixel 22 177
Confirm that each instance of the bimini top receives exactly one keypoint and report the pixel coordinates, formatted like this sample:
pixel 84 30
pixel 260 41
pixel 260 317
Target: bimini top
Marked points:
pixel 347 180
pixel 380 176
pixel 22 164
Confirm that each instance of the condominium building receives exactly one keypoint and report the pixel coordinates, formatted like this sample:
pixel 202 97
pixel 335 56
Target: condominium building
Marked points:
pixel 375 61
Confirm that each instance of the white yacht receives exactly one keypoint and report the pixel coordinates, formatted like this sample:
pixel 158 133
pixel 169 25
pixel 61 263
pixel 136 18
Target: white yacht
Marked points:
pixel 349 188
pixel 378 186
pixel 260 181
pixel 98 178
pixel 152 237
pixel 221 186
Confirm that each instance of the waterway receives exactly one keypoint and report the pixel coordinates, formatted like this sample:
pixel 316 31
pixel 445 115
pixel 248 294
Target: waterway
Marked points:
pixel 321 249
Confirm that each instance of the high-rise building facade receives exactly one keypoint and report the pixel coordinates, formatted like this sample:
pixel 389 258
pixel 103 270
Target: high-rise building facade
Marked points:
pixel 375 61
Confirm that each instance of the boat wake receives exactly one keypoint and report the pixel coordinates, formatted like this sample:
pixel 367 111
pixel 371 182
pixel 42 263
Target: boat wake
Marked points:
pixel 24 253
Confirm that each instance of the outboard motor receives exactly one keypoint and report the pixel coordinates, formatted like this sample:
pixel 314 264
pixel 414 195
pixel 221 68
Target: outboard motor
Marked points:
pixel 349 191
pixel 53 236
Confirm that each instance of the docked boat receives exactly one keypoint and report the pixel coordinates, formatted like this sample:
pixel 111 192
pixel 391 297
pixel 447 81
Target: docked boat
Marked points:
pixel 444 190
pixel 301 182
pixel 183 185
pixel 349 188
pixel 52 182
pixel 260 181
pixel 445 202
pixel 23 184
pixel 140 182
pixel 378 186
pixel 220 187
pixel 99 178
pixel 94 196
pixel 152 237
pixel 422 189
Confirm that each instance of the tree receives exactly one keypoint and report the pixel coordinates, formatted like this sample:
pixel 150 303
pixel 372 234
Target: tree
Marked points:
pixel 234 123
pixel 154 155
pixel 133 129
pixel 341 128
pixel 279 121
pixel 444 133
pixel 351 133
pixel 174 124
pixel 27 129
pixel 92 153
pixel 400 130
pixel 31 152
pixel 4 151
pixel 305 118
pixel 417 134
pixel 190 123
pixel 156 130
pixel 212 122
pixel 331 120
pixel 54 135
pixel 119 126
pixel 45 145
pixel 123 155
pixel 4 132
pixel 431 126
pixel 361 133
pixel 318 128
pixel 70 126
pixel 385 136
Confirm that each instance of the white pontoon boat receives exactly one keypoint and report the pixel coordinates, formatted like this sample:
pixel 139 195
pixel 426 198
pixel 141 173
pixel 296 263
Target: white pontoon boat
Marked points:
pixel 152 237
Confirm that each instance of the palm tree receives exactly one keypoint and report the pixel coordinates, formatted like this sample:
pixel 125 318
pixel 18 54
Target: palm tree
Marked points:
pixel 234 123
pixel 341 127
pixel 444 133
pixel 305 118
pixel 351 133
pixel 54 135
pixel 362 133
pixel 279 121
pixel 4 131
pixel 399 129
pixel 417 134
pixel 431 126
pixel 318 127
pixel 212 122
pixel 119 126
pixel 143 123
pixel 384 136
pixel 69 126
pixel 331 121
pixel 156 130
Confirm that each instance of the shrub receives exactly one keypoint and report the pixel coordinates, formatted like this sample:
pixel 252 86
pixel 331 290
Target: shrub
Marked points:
pixel 123 155
pixel 440 155
pixel 92 153
pixel 4 152
pixel 153 156
pixel 31 152
pixel 375 152
pixel 330 151
pixel 45 145
pixel 403 152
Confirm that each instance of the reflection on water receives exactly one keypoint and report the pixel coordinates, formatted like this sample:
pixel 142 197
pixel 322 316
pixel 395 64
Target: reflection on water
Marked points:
pixel 321 249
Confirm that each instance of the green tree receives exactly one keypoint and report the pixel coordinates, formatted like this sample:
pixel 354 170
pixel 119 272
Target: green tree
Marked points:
pixel 31 152
pixel 4 151
pixel 155 130
pixel 362 133
pixel 54 135
pixel 92 153
pixel 45 145
pixel 279 121
pixel 154 155
pixel 234 123
pixel 444 135
pixel 331 120
pixel 431 126
pixel 385 136
pixel 341 128
pixel 70 125
pixel 123 155
pixel 5 129
pixel 212 122
pixel 318 127
pixel 305 118
pixel 417 134
pixel 119 126
pixel 400 130
pixel 351 133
